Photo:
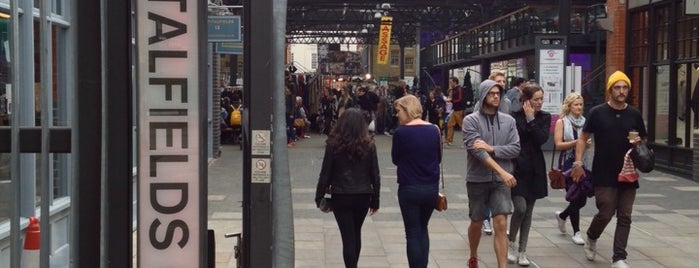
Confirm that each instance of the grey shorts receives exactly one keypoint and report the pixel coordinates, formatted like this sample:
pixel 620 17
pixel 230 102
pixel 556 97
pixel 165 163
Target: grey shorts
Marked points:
pixel 493 194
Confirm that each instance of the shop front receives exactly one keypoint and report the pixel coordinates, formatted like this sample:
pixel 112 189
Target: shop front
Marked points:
pixel 666 74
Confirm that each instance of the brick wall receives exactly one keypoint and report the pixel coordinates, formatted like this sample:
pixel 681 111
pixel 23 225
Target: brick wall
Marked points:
pixel 616 39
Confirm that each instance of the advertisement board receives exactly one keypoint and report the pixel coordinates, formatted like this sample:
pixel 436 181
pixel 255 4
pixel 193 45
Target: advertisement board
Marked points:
pixel 168 103
pixel 384 40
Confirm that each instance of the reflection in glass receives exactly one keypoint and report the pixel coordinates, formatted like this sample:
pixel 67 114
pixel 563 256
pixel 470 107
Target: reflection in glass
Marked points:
pixel 662 101
pixel 5 186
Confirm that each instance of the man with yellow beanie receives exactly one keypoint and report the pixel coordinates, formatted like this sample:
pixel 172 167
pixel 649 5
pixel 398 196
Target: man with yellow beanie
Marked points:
pixel 613 121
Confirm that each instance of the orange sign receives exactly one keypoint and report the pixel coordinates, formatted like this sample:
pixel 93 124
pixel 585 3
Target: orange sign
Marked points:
pixel 384 40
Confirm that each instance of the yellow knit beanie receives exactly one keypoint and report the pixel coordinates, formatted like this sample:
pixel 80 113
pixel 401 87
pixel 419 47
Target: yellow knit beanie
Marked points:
pixel 616 77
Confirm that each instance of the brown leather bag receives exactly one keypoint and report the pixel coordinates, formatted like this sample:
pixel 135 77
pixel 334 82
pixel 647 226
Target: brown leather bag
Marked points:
pixel 441 202
pixel 556 178
pixel 299 123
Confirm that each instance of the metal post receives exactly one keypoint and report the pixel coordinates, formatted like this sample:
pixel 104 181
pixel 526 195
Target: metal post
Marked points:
pixel 564 9
pixel 282 211
pixel 117 117
pixel 26 110
pixel 401 58
pixel 264 77
pixel 14 124
pixel 86 190
pixel 46 118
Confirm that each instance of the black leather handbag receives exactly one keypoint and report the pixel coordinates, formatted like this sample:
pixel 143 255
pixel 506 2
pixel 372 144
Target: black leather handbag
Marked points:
pixel 643 157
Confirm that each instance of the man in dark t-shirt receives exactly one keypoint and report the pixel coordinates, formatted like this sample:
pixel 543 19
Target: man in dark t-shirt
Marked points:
pixel 611 121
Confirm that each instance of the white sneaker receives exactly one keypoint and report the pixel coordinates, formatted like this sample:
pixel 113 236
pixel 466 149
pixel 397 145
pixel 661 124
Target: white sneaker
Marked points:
pixel 577 239
pixel 561 222
pixel 621 264
pixel 523 260
pixel 511 253
pixel 487 229
pixel 590 249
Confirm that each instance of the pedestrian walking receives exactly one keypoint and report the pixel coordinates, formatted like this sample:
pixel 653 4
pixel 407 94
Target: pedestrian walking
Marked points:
pixel 530 169
pixel 350 172
pixel 458 109
pixel 416 152
pixel 491 141
pixel 565 137
pixel 612 122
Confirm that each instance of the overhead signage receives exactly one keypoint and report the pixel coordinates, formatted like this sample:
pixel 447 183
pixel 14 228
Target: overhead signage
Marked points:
pixel 224 29
pixel 169 196
pixel 384 40
pixel 235 48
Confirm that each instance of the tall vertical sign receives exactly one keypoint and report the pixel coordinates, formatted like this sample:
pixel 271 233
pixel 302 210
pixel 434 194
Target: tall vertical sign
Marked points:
pixel 169 148
pixel 551 60
pixel 551 53
pixel 384 40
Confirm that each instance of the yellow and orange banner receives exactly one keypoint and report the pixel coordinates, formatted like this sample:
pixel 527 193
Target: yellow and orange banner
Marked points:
pixel 384 40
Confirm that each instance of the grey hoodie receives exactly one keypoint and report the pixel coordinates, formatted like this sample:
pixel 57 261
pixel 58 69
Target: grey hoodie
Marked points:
pixel 499 131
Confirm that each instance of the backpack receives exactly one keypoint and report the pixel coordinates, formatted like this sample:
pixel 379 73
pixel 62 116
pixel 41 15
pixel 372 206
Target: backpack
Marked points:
pixel 236 117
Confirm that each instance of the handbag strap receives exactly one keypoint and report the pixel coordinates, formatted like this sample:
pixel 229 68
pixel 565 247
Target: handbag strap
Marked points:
pixel 563 124
pixel 441 174
pixel 441 156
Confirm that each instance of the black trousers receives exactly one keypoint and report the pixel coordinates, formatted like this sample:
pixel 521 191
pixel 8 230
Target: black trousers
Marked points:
pixel 350 210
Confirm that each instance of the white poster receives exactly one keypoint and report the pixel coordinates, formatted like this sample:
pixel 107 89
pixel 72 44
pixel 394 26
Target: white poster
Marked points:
pixel 551 78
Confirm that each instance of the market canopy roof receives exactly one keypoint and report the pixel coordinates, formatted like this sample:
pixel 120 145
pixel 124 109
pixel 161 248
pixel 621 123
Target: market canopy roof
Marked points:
pixel 346 22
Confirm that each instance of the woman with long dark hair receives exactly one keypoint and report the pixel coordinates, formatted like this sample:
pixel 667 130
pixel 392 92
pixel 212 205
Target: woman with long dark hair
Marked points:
pixel 530 169
pixel 350 172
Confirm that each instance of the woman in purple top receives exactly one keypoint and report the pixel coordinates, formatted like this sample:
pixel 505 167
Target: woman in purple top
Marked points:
pixel 417 153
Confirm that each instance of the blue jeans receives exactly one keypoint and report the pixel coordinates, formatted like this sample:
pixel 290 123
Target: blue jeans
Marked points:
pixel 416 206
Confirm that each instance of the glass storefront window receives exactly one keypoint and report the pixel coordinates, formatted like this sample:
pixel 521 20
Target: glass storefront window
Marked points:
pixel 5 186
pixel 662 33
pixel 683 110
pixel 687 34
pixel 693 78
pixel 662 102
pixel 5 102
pixel 639 37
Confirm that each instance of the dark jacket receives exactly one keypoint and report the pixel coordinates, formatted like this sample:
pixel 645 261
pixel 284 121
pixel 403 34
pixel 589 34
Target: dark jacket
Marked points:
pixel 289 104
pixel 350 177
pixel 369 101
pixel 457 98
pixel 530 166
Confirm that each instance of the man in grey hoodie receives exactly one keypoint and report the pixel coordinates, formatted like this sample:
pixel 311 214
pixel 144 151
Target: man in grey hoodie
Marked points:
pixel 491 142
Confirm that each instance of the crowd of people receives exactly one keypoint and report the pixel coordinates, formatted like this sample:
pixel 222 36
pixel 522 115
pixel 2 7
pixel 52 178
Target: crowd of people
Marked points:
pixel 503 133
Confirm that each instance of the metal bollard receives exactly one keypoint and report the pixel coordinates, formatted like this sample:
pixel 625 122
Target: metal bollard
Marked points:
pixel 237 248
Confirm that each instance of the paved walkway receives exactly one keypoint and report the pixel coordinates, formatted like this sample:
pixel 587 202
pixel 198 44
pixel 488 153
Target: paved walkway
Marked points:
pixel 665 229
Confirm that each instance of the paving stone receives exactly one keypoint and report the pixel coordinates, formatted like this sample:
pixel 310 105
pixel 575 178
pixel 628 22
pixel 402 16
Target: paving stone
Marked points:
pixel 664 229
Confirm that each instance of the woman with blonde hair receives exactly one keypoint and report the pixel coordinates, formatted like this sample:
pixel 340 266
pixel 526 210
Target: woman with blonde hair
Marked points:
pixel 566 133
pixel 416 152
